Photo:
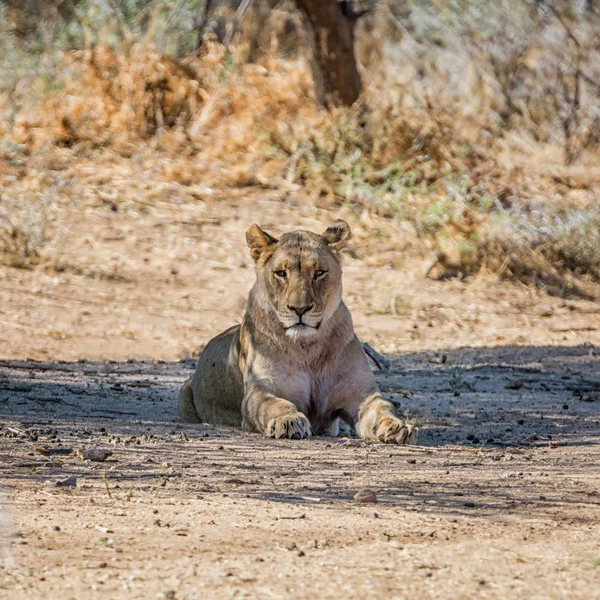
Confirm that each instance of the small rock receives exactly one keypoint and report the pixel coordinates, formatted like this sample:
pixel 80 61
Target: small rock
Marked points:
pixel 69 482
pixel 439 360
pixel 365 496
pixel 301 553
pixel 591 397
pixel 470 504
pixel 514 385
pixel 95 454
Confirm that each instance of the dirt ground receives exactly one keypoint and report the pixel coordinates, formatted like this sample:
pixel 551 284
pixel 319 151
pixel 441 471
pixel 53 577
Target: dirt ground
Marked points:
pixel 500 499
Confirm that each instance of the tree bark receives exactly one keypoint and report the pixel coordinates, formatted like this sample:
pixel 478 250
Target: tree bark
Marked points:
pixel 331 39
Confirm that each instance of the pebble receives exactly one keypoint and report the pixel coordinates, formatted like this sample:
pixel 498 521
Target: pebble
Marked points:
pixel 69 482
pixel 514 385
pixel 365 496
pixel 95 454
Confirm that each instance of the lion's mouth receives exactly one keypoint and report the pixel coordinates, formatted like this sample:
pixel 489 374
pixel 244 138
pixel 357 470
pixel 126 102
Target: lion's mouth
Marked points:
pixel 300 331
pixel 301 325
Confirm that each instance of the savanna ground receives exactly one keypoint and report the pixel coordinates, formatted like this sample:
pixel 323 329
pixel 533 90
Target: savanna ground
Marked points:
pixel 468 172
pixel 500 499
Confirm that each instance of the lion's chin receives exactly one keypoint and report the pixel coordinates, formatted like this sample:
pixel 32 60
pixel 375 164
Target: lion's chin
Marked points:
pixel 301 331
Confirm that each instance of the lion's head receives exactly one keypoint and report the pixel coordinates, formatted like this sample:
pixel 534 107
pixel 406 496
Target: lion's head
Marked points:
pixel 299 276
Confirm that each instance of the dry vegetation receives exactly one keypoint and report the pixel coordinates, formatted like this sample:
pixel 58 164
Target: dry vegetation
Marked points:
pixel 476 133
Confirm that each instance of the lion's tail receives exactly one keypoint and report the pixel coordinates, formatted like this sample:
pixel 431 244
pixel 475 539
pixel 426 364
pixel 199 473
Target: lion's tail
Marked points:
pixel 187 410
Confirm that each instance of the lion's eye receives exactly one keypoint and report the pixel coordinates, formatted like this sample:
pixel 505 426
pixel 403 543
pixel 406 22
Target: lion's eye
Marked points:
pixel 319 274
pixel 281 274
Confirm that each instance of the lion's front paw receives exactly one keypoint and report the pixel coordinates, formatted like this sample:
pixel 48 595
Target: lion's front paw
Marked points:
pixel 392 430
pixel 295 426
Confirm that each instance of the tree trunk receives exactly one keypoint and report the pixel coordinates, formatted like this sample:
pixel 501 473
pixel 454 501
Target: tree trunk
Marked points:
pixel 331 39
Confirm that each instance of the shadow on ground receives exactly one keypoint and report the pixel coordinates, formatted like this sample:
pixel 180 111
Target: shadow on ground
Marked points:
pixel 489 396
pixel 501 413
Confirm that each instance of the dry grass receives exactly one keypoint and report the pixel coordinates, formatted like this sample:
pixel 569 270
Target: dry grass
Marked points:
pixel 23 231
pixel 414 150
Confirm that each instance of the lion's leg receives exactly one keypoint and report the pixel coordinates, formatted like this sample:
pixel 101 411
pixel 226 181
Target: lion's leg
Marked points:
pixel 340 428
pixel 376 420
pixel 358 397
pixel 345 429
pixel 187 410
pixel 273 416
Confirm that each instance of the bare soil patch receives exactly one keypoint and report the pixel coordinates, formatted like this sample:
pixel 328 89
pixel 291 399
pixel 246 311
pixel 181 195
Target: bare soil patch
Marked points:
pixel 500 499
pixel 135 276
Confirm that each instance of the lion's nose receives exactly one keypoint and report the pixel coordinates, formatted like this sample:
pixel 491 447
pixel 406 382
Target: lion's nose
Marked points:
pixel 300 310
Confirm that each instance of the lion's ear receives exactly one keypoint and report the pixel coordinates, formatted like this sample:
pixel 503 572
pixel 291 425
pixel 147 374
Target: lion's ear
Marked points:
pixel 258 241
pixel 337 234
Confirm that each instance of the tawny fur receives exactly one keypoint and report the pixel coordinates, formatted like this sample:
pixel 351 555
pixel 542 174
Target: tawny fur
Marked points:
pixel 294 367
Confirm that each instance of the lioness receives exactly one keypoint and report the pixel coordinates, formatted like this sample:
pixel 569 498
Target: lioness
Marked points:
pixel 294 366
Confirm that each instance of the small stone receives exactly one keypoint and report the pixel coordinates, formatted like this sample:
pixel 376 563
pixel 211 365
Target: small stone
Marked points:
pixel 470 504
pixel 95 454
pixel 514 385
pixel 301 553
pixel 56 528
pixel 365 496
pixel 69 482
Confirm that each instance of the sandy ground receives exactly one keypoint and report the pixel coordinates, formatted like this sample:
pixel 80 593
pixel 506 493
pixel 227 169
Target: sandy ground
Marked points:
pixel 501 499
pixel 159 281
